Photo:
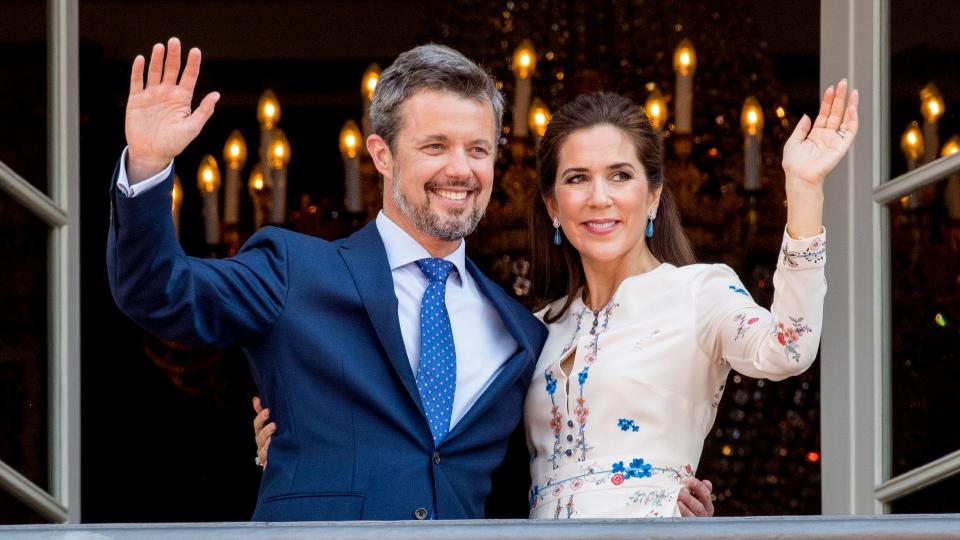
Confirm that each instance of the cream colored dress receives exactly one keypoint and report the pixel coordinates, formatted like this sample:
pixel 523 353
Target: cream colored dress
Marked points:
pixel 622 434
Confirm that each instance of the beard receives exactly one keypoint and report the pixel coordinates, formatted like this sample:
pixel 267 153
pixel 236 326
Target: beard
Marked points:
pixel 449 228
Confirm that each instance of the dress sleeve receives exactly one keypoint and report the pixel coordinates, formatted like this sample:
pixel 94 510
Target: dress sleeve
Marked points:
pixel 773 344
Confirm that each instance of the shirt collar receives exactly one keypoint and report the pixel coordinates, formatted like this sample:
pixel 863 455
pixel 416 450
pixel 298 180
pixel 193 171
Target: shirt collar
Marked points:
pixel 402 249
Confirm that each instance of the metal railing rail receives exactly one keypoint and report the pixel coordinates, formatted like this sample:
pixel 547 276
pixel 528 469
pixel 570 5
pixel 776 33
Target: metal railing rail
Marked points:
pixel 35 200
pixel 888 527
pixel 919 478
pixel 30 494
pixel 907 183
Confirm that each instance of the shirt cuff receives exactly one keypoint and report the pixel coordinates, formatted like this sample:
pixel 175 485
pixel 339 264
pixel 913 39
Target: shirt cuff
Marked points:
pixel 123 184
pixel 803 253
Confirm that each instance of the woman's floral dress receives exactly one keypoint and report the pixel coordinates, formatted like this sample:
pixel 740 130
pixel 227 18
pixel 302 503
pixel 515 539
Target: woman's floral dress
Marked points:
pixel 620 435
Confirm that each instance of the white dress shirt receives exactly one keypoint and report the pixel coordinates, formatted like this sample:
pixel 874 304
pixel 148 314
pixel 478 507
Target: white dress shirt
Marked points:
pixel 482 342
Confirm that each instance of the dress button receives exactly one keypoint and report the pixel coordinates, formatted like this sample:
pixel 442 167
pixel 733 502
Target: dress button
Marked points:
pixel 569 452
pixel 420 513
pixel 569 438
pixel 570 423
pixel 436 457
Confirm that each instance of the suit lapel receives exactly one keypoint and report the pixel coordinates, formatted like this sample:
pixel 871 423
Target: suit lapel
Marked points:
pixel 514 366
pixel 365 256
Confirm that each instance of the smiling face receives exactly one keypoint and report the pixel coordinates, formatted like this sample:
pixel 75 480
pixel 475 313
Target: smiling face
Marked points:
pixel 439 175
pixel 602 196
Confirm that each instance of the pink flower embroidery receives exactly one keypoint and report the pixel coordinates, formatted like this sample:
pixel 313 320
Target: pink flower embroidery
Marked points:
pixel 557 489
pixel 577 484
pixel 555 422
pixel 617 479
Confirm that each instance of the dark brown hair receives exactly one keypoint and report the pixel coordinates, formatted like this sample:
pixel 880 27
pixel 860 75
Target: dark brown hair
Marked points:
pixel 557 270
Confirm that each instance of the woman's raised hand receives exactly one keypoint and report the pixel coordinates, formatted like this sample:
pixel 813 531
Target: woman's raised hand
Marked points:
pixel 812 152
pixel 159 122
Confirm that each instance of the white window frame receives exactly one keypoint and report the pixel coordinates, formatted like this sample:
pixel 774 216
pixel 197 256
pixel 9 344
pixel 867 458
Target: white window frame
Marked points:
pixel 855 383
pixel 61 212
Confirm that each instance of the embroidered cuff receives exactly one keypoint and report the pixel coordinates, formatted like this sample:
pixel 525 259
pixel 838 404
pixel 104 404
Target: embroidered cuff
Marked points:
pixel 806 253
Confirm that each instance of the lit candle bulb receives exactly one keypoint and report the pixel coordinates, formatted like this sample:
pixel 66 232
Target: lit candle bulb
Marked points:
pixel 279 159
pixel 368 84
pixel 524 65
pixel 951 193
pixel 932 108
pixel 656 108
pixel 911 144
pixel 751 120
pixel 268 115
pixel 350 150
pixel 208 180
pixel 684 64
pixel 234 155
pixel 257 187
pixel 177 196
pixel 268 110
pixel 539 118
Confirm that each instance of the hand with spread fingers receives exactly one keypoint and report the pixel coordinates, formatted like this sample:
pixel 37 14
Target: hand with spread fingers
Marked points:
pixel 159 121
pixel 262 432
pixel 812 152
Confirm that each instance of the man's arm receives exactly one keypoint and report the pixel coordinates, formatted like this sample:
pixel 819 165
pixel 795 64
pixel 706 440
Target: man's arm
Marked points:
pixel 213 302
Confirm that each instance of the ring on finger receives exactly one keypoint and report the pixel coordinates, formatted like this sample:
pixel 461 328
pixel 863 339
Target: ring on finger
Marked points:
pixel 841 132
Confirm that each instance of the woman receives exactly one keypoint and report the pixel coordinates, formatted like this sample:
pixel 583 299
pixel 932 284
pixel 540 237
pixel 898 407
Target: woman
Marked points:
pixel 641 339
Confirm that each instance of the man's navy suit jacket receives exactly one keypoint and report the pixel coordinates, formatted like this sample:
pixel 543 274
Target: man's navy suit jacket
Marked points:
pixel 318 322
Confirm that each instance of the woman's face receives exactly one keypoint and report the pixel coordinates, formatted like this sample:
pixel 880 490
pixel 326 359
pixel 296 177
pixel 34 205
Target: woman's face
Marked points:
pixel 601 194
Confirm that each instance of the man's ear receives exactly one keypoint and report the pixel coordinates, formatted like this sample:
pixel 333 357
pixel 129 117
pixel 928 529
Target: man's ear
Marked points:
pixel 380 152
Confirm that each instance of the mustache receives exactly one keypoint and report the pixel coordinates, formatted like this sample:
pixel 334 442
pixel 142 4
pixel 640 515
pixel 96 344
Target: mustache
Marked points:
pixel 462 184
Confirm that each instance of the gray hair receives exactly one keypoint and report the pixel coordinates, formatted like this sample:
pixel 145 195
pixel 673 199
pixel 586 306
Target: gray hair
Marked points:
pixel 434 67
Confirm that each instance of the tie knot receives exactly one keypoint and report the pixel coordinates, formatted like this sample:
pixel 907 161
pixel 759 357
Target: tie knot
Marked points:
pixel 436 270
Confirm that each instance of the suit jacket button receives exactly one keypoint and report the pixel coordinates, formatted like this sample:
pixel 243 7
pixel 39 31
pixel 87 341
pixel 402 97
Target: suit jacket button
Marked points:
pixel 420 513
pixel 436 457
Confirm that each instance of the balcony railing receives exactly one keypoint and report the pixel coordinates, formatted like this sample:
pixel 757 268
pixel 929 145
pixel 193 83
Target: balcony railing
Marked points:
pixel 892 527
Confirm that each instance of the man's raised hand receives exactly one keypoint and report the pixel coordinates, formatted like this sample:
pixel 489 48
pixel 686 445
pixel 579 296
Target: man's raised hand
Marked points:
pixel 159 122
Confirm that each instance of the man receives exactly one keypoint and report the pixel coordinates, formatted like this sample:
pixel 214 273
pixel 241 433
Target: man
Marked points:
pixel 395 370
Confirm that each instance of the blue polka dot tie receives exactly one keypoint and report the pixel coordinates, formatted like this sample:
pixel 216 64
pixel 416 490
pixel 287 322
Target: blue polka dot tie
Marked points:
pixel 437 374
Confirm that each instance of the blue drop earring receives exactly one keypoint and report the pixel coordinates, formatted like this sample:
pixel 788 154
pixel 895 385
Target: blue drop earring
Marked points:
pixel 649 231
pixel 556 232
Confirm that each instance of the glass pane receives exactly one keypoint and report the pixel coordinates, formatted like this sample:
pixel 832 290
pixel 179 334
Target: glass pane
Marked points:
pixel 925 283
pixel 924 92
pixel 23 89
pixel 23 341
pixel 924 234
pixel 940 498
pixel 14 512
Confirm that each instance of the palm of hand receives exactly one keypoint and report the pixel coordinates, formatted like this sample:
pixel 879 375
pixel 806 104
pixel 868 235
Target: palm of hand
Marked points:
pixel 813 158
pixel 812 152
pixel 157 122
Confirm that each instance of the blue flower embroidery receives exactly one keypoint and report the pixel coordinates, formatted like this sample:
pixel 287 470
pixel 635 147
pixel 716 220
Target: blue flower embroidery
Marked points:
pixel 583 376
pixel 738 290
pixel 626 424
pixel 551 382
pixel 637 469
